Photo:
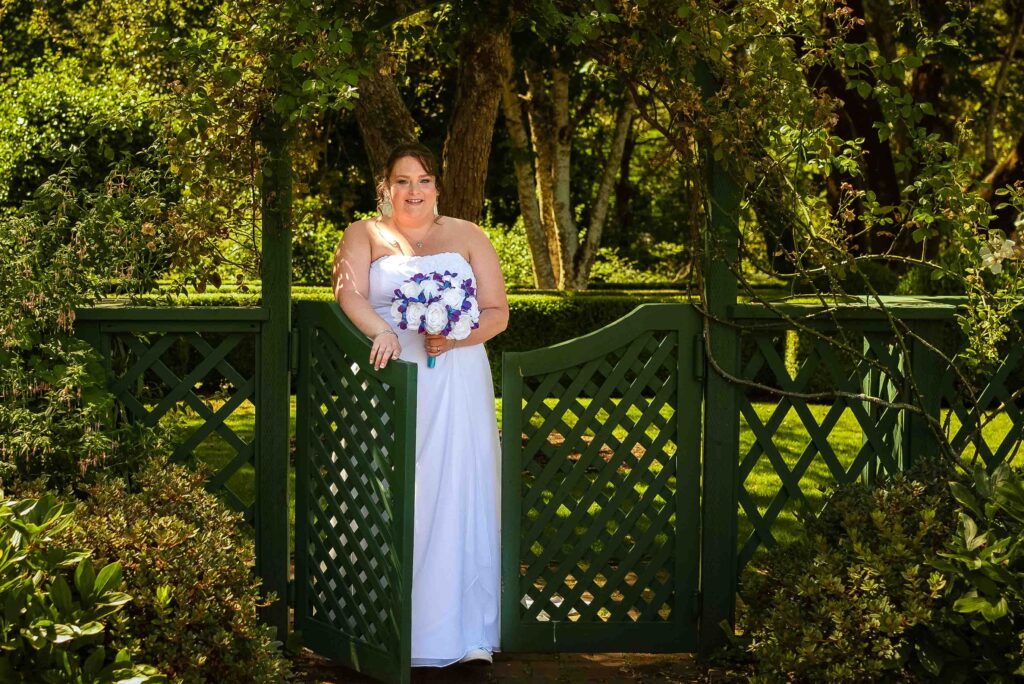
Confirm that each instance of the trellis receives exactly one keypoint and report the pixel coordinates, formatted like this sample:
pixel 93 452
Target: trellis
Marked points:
pixel 156 359
pixel 600 488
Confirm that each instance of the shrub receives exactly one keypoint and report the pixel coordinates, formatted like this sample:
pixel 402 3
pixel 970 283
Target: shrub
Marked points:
pixel 847 602
pixel 187 561
pixel 513 252
pixel 981 636
pixel 58 106
pixel 57 416
pixel 314 239
pixel 58 614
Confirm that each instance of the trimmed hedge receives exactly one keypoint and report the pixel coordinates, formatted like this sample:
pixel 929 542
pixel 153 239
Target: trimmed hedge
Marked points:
pixel 536 319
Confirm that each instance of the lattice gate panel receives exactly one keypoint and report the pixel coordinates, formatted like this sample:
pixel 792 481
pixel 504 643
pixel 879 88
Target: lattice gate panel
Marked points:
pixel 196 371
pixel 354 486
pixel 992 427
pixel 600 488
pixel 789 456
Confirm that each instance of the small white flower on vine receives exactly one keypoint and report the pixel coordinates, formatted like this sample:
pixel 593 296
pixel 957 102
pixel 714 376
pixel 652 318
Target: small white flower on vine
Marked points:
pixel 1019 223
pixel 993 253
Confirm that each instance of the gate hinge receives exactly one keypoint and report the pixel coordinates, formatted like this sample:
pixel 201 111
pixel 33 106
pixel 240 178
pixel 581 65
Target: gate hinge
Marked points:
pixel 698 356
pixel 293 349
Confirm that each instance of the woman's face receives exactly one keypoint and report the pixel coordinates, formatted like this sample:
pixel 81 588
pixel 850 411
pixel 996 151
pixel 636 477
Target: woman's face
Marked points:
pixel 413 190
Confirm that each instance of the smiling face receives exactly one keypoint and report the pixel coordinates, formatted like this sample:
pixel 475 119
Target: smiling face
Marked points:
pixel 413 191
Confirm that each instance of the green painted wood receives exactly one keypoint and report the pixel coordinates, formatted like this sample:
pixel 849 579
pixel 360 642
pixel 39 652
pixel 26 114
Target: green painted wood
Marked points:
pixel 927 370
pixel 882 428
pixel 721 429
pixel 904 308
pixel 272 420
pixel 600 507
pixel 168 314
pixel 996 396
pixel 355 485
pixel 136 354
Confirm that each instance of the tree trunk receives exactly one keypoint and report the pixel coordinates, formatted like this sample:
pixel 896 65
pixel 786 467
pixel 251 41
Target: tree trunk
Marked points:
pixel 585 258
pixel 542 137
pixel 467 146
pixel 529 206
pixel 624 187
pixel 384 120
pixel 565 222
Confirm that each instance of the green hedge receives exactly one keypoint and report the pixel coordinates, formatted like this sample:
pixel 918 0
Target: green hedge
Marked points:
pixel 536 319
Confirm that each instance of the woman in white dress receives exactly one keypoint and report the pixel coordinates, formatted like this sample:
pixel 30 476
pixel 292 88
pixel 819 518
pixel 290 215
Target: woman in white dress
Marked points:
pixel 456 569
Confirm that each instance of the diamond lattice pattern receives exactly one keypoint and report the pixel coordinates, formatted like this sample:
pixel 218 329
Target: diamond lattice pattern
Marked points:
pixel 351 552
pixel 157 377
pixel 789 457
pixel 599 484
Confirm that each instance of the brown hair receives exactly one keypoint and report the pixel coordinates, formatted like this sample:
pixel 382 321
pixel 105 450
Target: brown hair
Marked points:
pixel 420 153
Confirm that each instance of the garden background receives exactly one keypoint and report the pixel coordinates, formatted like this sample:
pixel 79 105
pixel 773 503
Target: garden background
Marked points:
pixel 876 148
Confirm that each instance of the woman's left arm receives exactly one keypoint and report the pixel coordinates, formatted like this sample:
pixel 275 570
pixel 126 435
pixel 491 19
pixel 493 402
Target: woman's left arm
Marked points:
pixel 490 289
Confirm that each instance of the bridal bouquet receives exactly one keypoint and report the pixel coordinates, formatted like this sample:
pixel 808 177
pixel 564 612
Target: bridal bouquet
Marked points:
pixel 436 304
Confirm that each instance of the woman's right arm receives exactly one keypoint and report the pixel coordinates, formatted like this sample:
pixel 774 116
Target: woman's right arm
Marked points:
pixel 351 280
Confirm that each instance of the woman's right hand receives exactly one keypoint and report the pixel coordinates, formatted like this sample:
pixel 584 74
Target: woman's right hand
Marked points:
pixel 385 347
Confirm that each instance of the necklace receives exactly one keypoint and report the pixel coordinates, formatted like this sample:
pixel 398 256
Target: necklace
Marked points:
pixel 394 243
pixel 419 243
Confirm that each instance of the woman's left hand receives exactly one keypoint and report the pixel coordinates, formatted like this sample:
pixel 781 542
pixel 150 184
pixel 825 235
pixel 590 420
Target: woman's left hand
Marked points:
pixel 437 344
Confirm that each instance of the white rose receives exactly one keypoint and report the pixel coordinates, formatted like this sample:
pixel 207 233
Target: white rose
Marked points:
pixel 414 314
pixel 430 288
pixel 396 315
pixel 436 318
pixel 410 289
pixel 452 297
pixel 474 309
pixel 462 328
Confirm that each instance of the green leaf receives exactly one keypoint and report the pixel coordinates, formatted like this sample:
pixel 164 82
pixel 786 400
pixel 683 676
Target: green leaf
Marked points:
pixel 85 580
pixel 964 495
pixel 230 76
pixel 94 663
pixel 977 604
pixel 60 592
pixel 109 578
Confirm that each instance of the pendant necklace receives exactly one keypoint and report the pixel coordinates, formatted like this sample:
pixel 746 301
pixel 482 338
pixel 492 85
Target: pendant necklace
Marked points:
pixel 394 243
pixel 419 243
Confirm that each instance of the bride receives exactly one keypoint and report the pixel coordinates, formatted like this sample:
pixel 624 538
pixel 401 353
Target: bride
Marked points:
pixel 456 566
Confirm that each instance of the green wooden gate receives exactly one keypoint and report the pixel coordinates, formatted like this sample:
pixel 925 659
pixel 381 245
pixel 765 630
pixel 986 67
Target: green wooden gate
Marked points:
pixel 600 488
pixel 354 471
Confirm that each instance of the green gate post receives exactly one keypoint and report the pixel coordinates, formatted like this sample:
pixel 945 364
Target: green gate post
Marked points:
pixel 928 370
pixel 721 408
pixel 273 375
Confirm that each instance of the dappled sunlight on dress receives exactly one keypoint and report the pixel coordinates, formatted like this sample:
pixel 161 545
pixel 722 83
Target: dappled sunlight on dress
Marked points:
pixel 456 567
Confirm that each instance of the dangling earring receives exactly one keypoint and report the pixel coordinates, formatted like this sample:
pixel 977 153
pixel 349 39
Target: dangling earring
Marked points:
pixel 436 212
pixel 385 207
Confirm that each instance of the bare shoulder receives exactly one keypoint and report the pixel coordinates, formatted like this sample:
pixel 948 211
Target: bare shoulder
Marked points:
pixel 468 233
pixel 358 229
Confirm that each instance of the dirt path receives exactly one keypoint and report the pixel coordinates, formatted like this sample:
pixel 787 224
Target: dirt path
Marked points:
pixel 570 668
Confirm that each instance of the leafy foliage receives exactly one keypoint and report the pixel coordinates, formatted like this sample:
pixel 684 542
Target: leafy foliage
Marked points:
pixel 54 112
pixel 186 560
pixel 982 635
pixel 847 602
pixel 58 615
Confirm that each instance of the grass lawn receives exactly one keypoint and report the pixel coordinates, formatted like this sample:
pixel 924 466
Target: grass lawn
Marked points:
pixel 762 484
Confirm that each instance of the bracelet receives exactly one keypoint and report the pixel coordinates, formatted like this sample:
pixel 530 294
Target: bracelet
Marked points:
pixel 384 332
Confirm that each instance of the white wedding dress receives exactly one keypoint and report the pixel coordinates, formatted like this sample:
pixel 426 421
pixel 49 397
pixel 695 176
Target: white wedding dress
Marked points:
pixel 456 570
